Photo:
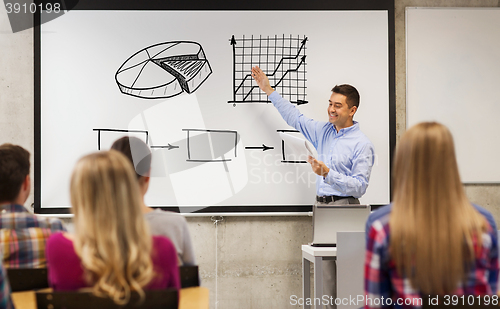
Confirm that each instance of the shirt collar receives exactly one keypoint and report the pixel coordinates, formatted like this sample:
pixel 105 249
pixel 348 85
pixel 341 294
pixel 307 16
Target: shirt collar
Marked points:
pixel 352 128
pixel 12 208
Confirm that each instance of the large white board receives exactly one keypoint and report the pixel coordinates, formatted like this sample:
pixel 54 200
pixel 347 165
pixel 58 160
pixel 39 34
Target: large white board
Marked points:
pixel 453 75
pixel 82 51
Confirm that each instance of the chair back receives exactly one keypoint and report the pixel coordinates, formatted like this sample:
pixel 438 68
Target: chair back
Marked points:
pixel 155 299
pixel 25 279
pixel 189 276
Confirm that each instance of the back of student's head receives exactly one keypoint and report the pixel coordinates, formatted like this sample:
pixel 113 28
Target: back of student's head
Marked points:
pixel 14 167
pixel 425 161
pixel 113 244
pixel 431 215
pixel 137 152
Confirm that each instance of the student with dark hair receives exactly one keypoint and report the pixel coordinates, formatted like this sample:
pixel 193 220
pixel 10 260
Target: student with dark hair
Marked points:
pixel 22 234
pixel 165 223
pixel 431 240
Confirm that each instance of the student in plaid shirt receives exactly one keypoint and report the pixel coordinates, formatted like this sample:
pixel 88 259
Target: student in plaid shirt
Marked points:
pixel 5 297
pixel 22 234
pixel 431 240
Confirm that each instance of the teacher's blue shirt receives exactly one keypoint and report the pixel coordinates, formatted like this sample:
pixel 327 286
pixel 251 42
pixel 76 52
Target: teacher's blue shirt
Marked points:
pixel 348 153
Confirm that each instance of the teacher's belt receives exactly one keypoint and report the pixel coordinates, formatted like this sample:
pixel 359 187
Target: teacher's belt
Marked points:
pixel 330 198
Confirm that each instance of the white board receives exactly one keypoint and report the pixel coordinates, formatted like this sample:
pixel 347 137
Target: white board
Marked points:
pixel 82 51
pixel 453 76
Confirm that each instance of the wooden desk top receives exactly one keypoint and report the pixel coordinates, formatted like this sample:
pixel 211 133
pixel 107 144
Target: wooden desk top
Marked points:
pixel 194 298
pixel 190 298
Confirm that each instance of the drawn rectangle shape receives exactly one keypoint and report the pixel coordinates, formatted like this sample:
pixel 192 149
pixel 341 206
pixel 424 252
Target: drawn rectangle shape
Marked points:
pixel 211 145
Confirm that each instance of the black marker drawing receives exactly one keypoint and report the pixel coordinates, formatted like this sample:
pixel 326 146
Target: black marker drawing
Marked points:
pixel 285 160
pixel 264 147
pixel 145 132
pixel 283 59
pixel 210 145
pixel 168 147
pixel 164 70
pixel 118 131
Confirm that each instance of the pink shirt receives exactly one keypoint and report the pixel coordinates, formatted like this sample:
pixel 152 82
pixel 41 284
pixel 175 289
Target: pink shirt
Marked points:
pixel 65 271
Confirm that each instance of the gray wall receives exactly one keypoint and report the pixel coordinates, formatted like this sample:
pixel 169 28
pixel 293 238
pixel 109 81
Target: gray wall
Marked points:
pixel 258 259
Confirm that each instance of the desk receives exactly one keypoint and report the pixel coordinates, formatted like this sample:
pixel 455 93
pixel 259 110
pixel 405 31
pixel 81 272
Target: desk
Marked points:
pixel 190 298
pixel 315 255
pixel 194 298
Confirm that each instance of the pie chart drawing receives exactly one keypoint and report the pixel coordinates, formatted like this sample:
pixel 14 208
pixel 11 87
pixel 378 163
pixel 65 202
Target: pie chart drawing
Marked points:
pixel 164 70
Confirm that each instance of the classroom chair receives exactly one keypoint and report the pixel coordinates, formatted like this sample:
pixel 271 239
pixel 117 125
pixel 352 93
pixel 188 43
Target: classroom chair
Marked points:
pixel 189 276
pixel 25 279
pixel 155 299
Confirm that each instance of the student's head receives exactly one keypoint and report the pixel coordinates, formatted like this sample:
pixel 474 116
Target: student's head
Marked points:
pixel 111 236
pixel 432 222
pixel 343 104
pixel 14 174
pixel 425 161
pixel 138 153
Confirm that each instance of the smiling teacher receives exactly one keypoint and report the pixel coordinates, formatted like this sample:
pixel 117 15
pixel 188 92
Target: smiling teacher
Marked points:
pixel 345 154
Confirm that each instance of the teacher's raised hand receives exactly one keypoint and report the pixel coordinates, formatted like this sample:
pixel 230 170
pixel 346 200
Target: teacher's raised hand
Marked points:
pixel 261 79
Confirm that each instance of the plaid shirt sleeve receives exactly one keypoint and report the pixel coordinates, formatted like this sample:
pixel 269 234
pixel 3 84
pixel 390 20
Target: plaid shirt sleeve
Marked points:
pixel 5 297
pixel 493 271
pixel 56 225
pixel 377 279
pixel 23 236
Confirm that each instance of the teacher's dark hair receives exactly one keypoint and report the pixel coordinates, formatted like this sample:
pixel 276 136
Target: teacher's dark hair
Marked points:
pixel 351 94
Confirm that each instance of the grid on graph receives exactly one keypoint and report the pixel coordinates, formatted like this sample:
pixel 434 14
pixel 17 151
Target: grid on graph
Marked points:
pixel 282 58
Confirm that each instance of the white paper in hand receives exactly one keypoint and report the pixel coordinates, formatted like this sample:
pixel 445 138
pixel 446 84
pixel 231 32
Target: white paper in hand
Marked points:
pixel 300 148
pixel 310 148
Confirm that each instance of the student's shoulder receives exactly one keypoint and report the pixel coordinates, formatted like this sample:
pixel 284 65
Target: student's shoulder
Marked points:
pixel 163 246
pixel 55 223
pixel 381 214
pixel 20 218
pixel 487 215
pixel 58 241
pixel 168 216
pixel 162 242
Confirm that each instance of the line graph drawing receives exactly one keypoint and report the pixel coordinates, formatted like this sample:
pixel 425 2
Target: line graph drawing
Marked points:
pixel 283 59
pixel 164 70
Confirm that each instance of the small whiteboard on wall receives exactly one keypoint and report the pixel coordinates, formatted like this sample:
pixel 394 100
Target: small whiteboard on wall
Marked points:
pixel 453 77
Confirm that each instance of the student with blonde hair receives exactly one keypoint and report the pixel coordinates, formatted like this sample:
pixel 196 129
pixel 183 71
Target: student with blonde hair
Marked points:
pixel 431 240
pixel 112 250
